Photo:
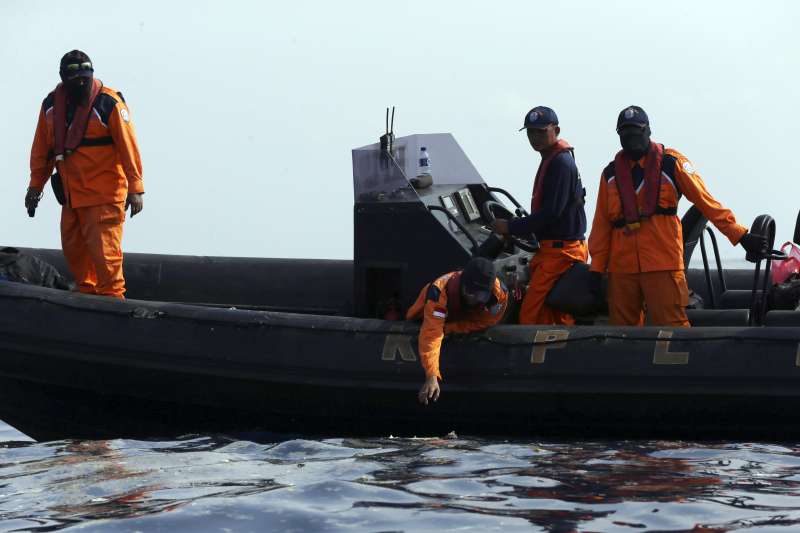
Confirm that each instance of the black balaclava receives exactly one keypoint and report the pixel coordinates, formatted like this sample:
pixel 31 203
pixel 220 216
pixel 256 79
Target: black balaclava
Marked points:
pixel 633 127
pixel 78 84
pixel 635 141
pixel 78 89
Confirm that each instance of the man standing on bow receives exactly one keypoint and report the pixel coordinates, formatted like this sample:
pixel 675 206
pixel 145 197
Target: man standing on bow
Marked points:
pixel 557 217
pixel 85 132
pixel 636 234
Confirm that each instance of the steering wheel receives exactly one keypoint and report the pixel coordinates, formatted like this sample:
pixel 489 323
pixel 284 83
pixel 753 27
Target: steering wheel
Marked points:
pixel 763 226
pixel 773 255
pixel 492 210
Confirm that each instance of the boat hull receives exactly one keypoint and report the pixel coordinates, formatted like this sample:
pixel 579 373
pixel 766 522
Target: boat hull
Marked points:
pixel 80 366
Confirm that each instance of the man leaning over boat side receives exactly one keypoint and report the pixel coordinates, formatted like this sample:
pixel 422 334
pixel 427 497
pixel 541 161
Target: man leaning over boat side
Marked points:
pixel 85 132
pixel 557 217
pixel 462 301
pixel 636 235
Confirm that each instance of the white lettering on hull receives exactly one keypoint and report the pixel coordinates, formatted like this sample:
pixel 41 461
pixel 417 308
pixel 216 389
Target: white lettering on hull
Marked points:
pixel 398 344
pixel 662 355
pixel 546 340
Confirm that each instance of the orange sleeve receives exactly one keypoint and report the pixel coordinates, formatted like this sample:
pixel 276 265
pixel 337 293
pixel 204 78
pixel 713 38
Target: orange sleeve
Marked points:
pixel 41 163
pixel 600 236
pixel 692 186
pixel 121 127
pixel 431 334
pixel 418 307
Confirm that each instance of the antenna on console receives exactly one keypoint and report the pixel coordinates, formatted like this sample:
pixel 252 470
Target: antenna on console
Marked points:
pixel 391 130
pixel 387 139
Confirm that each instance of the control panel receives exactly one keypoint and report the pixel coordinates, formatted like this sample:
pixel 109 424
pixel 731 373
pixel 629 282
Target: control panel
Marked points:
pixel 468 207
pixel 449 204
pixel 461 205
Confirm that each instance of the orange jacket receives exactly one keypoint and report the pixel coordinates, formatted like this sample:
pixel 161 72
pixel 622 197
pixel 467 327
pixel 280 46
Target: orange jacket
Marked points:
pixel 92 175
pixel 431 306
pixel 658 243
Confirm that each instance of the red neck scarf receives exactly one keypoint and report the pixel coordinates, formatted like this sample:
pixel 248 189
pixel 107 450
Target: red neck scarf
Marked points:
pixel 67 140
pixel 538 185
pixel 652 183
pixel 453 288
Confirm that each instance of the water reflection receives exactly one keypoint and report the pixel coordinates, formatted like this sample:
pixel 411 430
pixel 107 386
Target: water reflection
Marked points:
pixel 205 483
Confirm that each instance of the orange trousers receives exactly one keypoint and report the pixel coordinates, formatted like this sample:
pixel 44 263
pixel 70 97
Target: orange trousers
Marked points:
pixel 546 268
pixel 91 238
pixel 664 295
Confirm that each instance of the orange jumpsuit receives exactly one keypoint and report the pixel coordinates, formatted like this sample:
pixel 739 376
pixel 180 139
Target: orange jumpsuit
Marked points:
pixel 97 180
pixel 432 306
pixel 645 266
pixel 546 268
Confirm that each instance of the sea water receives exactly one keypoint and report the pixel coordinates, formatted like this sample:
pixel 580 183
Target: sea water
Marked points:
pixel 383 483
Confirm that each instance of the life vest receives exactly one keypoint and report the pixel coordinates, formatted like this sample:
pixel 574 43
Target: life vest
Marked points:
pixel 538 184
pixel 68 139
pixel 453 289
pixel 632 214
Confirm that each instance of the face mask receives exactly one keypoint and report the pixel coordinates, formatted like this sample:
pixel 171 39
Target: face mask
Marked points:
pixel 635 142
pixel 77 92
pixel 472 301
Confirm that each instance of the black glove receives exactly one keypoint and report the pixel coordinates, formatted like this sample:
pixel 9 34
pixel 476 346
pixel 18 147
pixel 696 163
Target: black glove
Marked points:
pixel 492 247
pixel 32 198
pixel 755 245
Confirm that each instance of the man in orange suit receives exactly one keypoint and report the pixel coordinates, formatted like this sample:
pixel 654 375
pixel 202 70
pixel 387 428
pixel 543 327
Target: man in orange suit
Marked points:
pixel 636 234
pixel 463 301
pixel 85 132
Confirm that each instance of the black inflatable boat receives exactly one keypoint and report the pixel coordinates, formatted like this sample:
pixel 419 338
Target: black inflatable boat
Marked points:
pixel 207 344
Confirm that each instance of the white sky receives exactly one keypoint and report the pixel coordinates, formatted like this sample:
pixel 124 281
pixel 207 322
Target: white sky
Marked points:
pixel 246 112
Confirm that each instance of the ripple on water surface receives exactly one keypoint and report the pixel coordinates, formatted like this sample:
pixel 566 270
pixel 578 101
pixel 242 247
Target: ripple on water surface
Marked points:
pixel 389 484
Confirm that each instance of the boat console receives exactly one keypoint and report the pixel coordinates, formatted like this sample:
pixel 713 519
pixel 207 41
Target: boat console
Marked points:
pixel 408 231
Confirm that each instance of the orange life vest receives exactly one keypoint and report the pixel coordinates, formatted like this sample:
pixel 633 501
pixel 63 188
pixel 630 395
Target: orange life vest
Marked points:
pixel 538 184
pixel 67 140
pixel 652 185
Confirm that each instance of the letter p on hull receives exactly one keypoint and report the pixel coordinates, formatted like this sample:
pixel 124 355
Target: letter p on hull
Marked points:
pixel 547 340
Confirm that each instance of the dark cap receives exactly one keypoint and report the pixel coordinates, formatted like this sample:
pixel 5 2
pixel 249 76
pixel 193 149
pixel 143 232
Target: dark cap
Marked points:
pixel 539 117
pixel 478 277
pixel 632 115
pixel 74 64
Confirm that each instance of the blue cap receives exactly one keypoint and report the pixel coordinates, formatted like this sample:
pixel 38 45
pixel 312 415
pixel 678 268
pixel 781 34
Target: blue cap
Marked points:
pixel 632 116
pixel 478 278
pixel 539 117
